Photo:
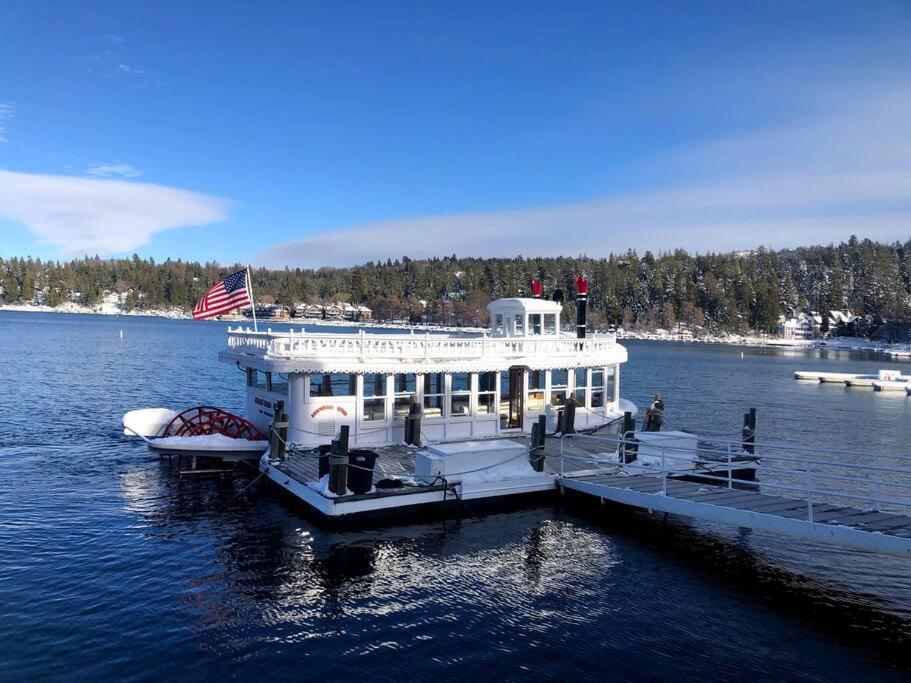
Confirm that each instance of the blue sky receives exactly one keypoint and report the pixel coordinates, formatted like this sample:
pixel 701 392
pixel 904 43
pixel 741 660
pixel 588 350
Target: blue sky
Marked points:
pixel 332 133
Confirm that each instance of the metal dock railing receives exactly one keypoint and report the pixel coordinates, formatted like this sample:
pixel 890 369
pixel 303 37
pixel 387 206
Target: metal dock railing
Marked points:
pixel 848 498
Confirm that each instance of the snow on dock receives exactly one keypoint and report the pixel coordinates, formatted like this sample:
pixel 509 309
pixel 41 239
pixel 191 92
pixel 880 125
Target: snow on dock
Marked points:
pixel 817 376
pixel 856 500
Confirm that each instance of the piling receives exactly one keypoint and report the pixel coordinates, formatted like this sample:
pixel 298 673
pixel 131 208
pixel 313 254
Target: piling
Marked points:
pixel 278 432
pixel 629 450
pixel 338 463
pixel 748 434
pixel 538 438
pixel 568 425
pixel 413 423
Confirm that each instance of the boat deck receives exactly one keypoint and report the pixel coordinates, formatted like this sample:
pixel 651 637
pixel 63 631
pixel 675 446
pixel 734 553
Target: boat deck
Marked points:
pixel 398 460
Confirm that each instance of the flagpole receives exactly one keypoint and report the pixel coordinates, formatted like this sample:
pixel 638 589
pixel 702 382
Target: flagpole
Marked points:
pixel 252 300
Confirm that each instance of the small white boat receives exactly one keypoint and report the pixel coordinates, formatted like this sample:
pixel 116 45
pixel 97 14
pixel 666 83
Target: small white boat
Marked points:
pixel 209 445
pixel 870 380
pixel 891 385
pixel 199 432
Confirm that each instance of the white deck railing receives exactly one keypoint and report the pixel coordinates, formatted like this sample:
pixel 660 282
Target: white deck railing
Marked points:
pixel 863 480
pixel 410 347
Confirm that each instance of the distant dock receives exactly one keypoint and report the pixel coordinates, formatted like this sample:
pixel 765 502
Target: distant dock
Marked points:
pixel 884 380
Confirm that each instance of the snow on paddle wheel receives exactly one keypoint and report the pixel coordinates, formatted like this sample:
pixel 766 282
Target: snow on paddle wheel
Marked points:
pixel 206 420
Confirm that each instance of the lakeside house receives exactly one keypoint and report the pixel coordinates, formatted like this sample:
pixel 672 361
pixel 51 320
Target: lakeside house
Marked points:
pixel 809 325
pixel 338 310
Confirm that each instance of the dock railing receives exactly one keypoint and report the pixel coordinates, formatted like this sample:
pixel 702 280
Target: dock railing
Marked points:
pixel 865 480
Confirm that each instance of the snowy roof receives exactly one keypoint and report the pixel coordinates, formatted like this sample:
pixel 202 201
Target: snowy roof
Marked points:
pixel 522 304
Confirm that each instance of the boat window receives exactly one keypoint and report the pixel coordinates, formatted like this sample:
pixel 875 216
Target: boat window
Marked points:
pixel 335 384
pixel 434 391
pixel 580 382
pixel 534 323
pixel 597 388
pixel 535 400
pixel 498 323
pixel 404 387
pixel 559 382
pixel 520 323
pixel 487 393
pixel 461 394
pixel 609 384
pixel 374 397
pixel 550 323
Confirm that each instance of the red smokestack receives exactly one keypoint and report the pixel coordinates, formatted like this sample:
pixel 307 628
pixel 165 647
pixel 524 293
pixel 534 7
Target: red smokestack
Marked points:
pixel 581 304
pixel 536 288
pixel 581 285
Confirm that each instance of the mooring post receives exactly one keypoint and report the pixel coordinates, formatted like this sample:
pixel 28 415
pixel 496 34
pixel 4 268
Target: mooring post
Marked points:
pixel 542 440
pixel 409 427
pixel 569 417
pixel 338 463
pixel 533 449
pixel 748 434
pixel 278 433
pixel 415 420
pixel 628 450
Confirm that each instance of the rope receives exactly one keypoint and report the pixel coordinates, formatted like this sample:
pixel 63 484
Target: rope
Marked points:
pixel 242 491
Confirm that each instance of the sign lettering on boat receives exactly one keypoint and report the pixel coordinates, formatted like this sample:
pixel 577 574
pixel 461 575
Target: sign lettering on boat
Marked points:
pixel 338 409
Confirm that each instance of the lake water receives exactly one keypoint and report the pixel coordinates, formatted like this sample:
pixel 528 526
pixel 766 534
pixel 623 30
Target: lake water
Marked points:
pixel 113 567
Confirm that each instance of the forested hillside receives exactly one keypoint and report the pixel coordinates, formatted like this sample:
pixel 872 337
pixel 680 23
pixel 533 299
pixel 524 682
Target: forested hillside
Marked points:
pixel 722 292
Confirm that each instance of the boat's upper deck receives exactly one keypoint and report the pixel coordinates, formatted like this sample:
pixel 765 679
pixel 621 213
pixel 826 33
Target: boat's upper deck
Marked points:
pixel 362 352
pixel 523 332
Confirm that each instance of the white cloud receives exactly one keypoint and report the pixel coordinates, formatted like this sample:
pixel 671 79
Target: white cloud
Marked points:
pixel 816 180
pixel 7 111
pixel 113 171
pixel 88 216
pixel 128 70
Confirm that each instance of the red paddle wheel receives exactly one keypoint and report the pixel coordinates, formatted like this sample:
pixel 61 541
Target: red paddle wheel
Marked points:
pixel 205 420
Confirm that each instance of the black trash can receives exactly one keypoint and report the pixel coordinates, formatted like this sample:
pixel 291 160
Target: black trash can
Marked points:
pixel 323 453
pixel 360 476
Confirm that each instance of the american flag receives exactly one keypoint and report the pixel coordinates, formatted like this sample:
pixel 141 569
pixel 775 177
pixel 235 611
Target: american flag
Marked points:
pixel 224 296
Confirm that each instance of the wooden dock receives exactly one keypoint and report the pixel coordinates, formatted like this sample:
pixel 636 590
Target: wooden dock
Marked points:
pixel 876 518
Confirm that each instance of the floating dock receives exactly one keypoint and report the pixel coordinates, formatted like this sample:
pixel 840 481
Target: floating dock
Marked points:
pixel 881 532
pixel 816 376
pixel 852 379
pixel 855 500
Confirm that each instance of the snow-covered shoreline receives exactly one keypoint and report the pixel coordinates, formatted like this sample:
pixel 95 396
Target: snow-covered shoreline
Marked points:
pixel 178 314
pixel 846 343
pixel 101 309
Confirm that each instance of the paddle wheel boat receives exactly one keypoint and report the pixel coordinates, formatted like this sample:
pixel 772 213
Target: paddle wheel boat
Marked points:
pixel 443 415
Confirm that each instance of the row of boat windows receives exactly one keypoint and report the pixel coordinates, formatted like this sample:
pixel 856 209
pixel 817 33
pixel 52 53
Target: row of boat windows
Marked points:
pixel 537 323
pixel 436 400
